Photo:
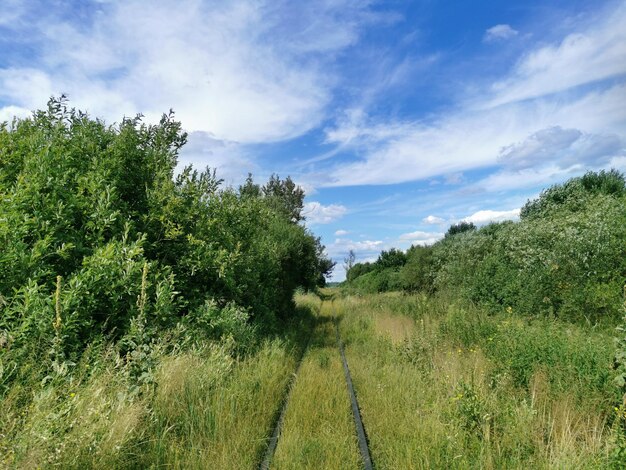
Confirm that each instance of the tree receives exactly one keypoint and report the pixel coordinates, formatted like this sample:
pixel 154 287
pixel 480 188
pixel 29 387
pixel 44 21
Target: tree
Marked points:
pixel 285 196
pixel 249 188
pixel 461 227
pixel 348 262
pixel 393 258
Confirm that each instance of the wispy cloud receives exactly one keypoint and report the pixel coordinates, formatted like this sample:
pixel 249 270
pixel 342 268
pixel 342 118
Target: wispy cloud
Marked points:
pixel 421 238
pixel 232 160
pixel 501 120
pixel 241 71
pixel 433 220
pixel 499 32
pixel 594 53
pixel 317 213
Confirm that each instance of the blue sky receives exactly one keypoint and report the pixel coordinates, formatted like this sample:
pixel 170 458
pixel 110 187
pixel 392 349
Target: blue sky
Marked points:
pixel 398 118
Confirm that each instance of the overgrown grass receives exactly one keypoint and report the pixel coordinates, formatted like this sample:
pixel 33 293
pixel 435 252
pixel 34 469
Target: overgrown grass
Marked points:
pixel 207 407
pixel 456 388
pixel 318 431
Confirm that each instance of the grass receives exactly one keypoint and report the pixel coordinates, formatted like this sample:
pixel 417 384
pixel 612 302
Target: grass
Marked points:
pixel 439 386
pixel 208 408
pixel 445 387
pixel 318 431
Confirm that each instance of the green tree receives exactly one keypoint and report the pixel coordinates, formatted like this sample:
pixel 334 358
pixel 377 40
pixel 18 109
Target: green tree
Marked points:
pixel 460 227
pixel 285 196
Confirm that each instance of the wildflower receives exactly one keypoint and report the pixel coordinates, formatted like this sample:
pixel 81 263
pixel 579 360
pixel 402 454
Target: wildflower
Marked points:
pixel 72 395
pixel 509 309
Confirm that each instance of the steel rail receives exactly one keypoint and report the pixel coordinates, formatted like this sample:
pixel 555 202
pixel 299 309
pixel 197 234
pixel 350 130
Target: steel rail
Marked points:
pixel 356 413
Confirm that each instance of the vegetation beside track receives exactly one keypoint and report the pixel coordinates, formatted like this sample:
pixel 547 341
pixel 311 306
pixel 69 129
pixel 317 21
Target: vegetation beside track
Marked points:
pixel 146 315
pixel 457 388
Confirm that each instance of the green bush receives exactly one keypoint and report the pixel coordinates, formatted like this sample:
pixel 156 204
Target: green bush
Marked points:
pixel 566 257
pixel 139 251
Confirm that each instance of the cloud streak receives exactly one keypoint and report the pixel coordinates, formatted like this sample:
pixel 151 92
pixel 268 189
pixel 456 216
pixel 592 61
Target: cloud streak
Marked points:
pixel 317 213
pixel 499 32
pixel 501 122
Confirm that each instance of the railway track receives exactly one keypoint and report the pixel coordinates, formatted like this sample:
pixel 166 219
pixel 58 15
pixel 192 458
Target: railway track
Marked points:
pixel 273 442
pixel 359 428
pixel 356 412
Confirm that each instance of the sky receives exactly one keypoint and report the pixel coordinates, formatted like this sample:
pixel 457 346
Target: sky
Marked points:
pixel 398 118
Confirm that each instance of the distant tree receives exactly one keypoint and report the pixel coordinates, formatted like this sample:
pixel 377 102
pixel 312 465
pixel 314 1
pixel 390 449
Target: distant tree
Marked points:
pixel 359 269
pixel 325 266
pixel 286 197
pixel 249 188
pixel 348 261
pixel 461 227
pixel 419 271
pixel 393 258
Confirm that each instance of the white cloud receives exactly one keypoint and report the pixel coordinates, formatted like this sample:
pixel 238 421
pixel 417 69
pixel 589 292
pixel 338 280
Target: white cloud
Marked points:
pixel 499 32
pixel 317 213
pixel 595 53
pixel 421 238
pixel 230 159
pixel 9 112
pixel 562 147
pixel 433 220
pixel 362 248
pixel 27 88
pixel 474 135
pixel 341 233
pixel 486 216
pixel 240 71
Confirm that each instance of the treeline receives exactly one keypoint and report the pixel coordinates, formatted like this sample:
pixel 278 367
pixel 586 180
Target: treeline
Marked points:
pixel 565 257
pixel 101 240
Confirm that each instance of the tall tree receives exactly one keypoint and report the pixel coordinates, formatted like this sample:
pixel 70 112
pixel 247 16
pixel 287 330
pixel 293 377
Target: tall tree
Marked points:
pixel 285 196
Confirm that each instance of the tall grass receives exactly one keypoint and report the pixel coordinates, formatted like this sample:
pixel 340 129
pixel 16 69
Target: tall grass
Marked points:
pixel 206 406
pixel 456 388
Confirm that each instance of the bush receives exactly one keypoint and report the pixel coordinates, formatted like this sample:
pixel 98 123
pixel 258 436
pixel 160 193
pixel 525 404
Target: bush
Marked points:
pixel 135 247
pixel 566 257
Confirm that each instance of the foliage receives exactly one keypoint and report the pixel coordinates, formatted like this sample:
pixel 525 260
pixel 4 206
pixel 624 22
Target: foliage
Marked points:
pixel 100 206
pixel 566 257
pixel 392 258
pixel 358 269
pixel 573 194
pixel 488 390
pixel 417 274
pixel 619 362
pixel 460 227
pixel 380 276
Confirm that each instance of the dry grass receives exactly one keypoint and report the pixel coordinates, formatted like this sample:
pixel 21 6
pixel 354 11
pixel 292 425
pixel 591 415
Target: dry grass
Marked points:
pixel 212 413
pixel 429 403
pixel 397 328
pixel 437 389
